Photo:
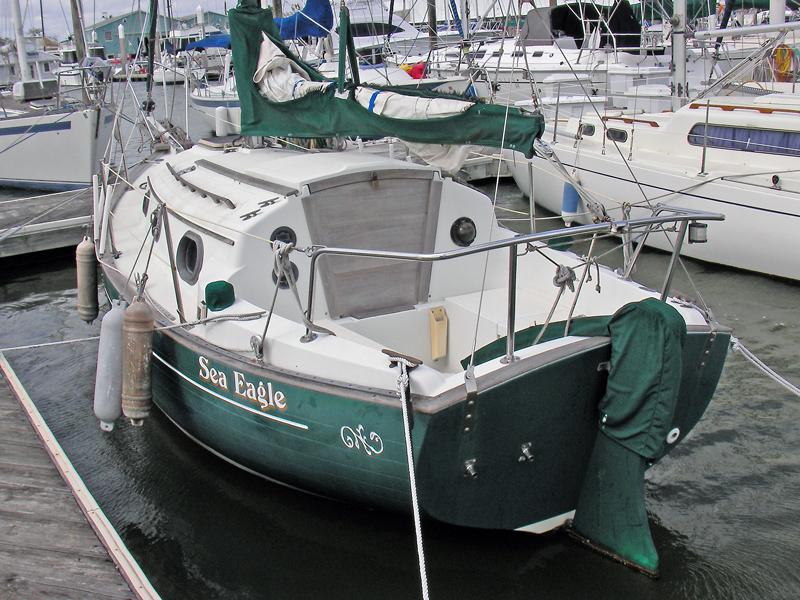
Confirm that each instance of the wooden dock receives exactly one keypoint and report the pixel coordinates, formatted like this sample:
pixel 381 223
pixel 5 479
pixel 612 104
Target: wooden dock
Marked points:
pixel 44 222
pixel 55 541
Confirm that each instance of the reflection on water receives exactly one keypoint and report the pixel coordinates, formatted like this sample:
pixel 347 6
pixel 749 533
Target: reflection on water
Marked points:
pixel 722 505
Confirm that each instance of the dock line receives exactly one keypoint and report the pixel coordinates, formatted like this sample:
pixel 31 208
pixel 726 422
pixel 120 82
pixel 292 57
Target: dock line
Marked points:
pixel 126 564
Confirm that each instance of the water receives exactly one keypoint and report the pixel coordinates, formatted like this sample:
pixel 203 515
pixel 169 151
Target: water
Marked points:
pixel 723 505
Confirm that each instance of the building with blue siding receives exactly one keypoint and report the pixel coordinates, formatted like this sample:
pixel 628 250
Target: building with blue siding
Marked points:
pixel 106 34
pixel 214 19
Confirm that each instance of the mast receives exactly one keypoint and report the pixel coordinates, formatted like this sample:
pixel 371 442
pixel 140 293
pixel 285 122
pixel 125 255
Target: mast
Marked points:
pixel 432 23
pixel 77 29
pixel 22 55
pixel 465 19
pixel 678 21
pixel 41 18
pixel 149 105
pixel 201 21
pixel 777 12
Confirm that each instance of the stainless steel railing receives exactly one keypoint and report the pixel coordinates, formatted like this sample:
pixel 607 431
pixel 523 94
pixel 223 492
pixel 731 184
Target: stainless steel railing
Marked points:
pixel 677 215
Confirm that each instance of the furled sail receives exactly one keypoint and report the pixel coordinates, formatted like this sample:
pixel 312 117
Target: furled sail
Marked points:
pixel 332 112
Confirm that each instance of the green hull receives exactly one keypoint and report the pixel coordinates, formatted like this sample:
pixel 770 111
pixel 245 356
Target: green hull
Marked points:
pixel 530 437
pixel 322 442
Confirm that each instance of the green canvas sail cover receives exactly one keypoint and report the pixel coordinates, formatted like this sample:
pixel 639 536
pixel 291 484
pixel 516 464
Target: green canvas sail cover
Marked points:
pixel 323 114
pixel 647 340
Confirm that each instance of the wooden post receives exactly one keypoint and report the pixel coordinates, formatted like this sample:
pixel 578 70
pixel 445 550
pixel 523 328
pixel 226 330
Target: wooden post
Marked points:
pixel 432 23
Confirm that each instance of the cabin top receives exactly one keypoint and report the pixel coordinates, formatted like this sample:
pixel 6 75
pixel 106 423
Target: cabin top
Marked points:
pixel 235 191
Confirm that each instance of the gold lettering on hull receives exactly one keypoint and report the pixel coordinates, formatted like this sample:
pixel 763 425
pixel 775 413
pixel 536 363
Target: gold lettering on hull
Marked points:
pixel 266 397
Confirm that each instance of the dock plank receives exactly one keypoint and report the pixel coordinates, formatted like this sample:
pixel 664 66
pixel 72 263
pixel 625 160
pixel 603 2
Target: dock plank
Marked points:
pixel 19 454
pixel 44 222
pixel 48 549
pixel 77 575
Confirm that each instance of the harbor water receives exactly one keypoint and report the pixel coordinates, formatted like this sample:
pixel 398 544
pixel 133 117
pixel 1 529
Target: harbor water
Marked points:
pixel 723 506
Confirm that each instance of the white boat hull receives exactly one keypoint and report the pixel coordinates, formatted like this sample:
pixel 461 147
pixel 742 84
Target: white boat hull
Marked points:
pixel 53 151
pixel 759 232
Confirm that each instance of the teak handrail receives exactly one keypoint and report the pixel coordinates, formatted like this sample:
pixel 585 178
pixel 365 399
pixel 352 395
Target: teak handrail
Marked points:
pixel 631 120
pixel 766 110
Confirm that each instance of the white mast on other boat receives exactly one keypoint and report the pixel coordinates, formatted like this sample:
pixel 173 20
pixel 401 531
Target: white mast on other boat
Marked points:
pixel 22 57
pixel 777 12
pixel 679 95
pixel 27 88
pixel 201 21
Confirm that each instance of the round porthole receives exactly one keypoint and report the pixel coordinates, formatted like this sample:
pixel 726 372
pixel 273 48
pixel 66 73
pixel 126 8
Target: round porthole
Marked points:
pixel 283 284
pixel 189 257
pixel 285 235
pixel 463 231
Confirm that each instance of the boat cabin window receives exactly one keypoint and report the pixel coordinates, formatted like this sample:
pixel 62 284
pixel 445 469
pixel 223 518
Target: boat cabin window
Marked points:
pixel 586 129
pixel 97 53
pixel 617 135
pixel 69 57
pixel 189 257
pixel 747 139
pixel 475 55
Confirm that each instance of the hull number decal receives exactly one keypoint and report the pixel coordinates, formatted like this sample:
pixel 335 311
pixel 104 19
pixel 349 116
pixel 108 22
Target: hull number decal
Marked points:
pixel 265 396
pixel 355 439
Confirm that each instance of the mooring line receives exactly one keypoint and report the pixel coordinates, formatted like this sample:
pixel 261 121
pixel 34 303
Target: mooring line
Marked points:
pixel 43 344
pixel 736 344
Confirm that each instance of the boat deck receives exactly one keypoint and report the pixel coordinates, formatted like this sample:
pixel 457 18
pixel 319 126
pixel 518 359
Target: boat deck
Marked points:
pixel 44 222
pixel 48 548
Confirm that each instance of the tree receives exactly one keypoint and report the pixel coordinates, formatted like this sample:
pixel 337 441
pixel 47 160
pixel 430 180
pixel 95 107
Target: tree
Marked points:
pixel 35 31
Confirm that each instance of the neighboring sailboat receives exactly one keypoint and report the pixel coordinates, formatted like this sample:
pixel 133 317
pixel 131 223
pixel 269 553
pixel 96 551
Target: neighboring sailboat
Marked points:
pixel 737 156
pixel 579 55
pixel 516 421
pixel 48 145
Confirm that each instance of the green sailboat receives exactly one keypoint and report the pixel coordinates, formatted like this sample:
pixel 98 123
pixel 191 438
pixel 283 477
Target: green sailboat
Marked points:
pixel 288 286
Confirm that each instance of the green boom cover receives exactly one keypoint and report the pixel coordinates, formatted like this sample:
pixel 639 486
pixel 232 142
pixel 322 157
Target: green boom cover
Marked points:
pixel 322 114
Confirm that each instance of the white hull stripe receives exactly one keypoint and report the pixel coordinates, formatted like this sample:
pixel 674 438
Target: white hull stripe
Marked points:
pixel 229 401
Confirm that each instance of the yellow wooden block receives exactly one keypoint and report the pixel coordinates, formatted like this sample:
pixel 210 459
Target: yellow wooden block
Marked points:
pixel 437 318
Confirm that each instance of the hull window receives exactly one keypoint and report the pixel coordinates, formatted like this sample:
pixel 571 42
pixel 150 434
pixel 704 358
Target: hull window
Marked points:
pixel 617 135
pixel 746 139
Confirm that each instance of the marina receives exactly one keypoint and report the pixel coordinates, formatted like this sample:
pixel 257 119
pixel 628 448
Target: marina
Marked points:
pixel 296 354
pixel 721 508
